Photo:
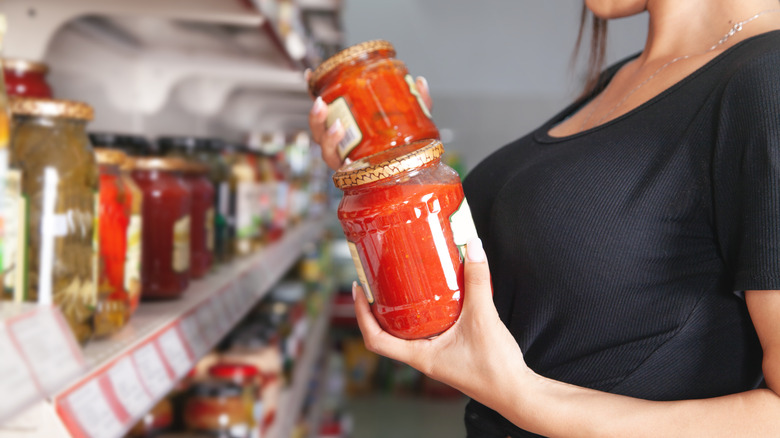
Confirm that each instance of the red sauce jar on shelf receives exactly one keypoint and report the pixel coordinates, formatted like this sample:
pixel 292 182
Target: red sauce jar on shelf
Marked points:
pixel 202 216
pixel 407 222
pixel 374 96
pixel 26 78
pixel 167 207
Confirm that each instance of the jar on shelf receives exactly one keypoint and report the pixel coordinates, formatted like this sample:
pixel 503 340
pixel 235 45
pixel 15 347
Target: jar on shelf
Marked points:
pixel 218 408
pixel 374 96
pixel 219 173
pixel 58 248
pixel 407 222
pixel 114 210
pixel 245 376
pixel 243 183
pixel 167 206
pixel 129 146
pixel 26 78
pixel 202 219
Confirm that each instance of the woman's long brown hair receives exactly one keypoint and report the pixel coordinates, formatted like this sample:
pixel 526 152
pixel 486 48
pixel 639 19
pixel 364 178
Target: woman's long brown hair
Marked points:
pixel 598 49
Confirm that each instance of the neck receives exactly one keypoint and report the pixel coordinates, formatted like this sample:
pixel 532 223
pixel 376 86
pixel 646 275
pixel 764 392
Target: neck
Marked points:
pixel 678 28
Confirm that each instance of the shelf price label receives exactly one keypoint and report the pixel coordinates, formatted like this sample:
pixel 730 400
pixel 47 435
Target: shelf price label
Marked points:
pixel 92 411
pixel 49 347
pixel 174 351
pixel 153 373
pixel 222 312
pixel 208 323
pixel 192 335
pixel 128 388
pixel 16 382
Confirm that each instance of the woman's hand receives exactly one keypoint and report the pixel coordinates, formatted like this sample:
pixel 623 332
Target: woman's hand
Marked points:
pixel 329 137
pixel 474 356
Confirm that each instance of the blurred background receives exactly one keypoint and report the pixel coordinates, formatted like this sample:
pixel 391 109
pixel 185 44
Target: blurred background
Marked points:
pixel 231 71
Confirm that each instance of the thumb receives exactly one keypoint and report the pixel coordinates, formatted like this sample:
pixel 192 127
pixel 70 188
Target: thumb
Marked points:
pixel 476 272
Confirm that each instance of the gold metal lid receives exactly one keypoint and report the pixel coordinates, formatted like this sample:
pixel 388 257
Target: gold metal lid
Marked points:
pixel 110 156
pixel 67 109
pixel 194 168
pixel 349 54
pixel 160 163
pixel 388 163
pixel 24 65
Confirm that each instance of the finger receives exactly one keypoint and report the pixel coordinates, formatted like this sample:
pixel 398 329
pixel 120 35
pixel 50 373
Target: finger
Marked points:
pixel 476 277
pixel 375 338
pixel 317 117
pixel 330 144
pixel 425 91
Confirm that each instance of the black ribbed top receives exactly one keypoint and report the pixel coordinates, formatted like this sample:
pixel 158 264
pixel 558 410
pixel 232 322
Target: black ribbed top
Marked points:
pixel 616 252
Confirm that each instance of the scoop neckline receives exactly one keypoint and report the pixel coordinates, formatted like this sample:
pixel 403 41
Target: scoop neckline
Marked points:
pixel 542 135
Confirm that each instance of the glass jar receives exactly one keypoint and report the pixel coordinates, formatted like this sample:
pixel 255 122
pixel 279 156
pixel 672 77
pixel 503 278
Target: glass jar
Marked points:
pixel 202 217
pixel 219 173
pixel 130 146
pixel 374 96
pixel 245 376
pixel 26 78
pixel 218 408
pixel 407 222
pixel 114 210
pixel 167 205
pixel 243 181
pixel 59 187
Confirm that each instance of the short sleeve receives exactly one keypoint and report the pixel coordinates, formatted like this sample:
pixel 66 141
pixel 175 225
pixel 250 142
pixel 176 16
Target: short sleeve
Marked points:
pixel 746 173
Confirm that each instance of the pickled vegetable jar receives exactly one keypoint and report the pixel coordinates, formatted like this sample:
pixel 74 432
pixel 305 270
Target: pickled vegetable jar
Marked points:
pixel 114 210
pixel 133 241
pixel 374 96
pixel 167 205
pixel 407 222
pixel 59 187
pixel 26 78
pixel 202 217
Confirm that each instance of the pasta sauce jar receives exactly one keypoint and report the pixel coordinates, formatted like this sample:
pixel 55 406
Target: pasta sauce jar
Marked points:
pixel 167 205
pixel 374 96
pixel 407 222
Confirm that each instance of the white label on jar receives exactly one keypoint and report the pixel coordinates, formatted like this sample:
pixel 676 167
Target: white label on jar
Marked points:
pixel 463 229
pixel 339 109
pixel 416 93
pixel 181 244
pixel 132 280
pixel 361 273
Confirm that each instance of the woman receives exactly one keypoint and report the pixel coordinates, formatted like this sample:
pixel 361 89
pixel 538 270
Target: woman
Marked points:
pixel 634 242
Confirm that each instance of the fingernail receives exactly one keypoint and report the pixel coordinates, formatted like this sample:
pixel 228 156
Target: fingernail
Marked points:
pixel 347 160
pixel 319 105
pixel 334 128
pixel 354 290
pixel 474 250
pixel 424 81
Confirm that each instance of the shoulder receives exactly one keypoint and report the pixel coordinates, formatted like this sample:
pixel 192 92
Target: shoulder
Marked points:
pixel 755 61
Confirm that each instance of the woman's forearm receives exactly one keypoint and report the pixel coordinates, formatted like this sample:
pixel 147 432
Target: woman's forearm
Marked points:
pixel 556 409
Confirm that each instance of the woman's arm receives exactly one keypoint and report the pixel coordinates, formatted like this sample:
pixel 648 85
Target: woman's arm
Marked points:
pixel 480 357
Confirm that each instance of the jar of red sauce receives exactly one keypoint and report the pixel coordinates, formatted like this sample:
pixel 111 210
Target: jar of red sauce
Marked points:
pixel 114 210
pixel 374 96
pixel 202 217
pixel 407 222
pixel 167 207
pixel 26 78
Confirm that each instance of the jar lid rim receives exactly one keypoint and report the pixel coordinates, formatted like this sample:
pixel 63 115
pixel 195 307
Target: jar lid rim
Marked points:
pixel 388 163
pixel 347 55
pixel 159 163
pixel 34 106
pixel 110 156
pixel 19 64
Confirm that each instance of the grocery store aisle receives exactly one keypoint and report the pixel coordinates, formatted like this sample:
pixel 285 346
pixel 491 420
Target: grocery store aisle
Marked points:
pixel 393 416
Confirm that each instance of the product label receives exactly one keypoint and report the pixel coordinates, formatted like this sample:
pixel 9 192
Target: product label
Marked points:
pixel 245 202
pixel 462 226
pixel 416 93
pixel 361 273
pixel 132 281
pixel 339 109
pixel 210 229
pixel 181 244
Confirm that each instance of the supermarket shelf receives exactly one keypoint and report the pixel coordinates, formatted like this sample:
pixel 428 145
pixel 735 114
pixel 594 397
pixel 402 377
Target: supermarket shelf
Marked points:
pixel 292 398
pixel 129 372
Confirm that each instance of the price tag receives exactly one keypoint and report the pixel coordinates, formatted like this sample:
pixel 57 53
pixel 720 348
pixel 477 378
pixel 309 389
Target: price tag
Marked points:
pixel 235 300
pixel 16 383
pixel 49 349
pixel 128 388
pixel 208 323
pixel 192 335
pixel 152 370
pixel 174 351
pixel 91 409
pixel 222 312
